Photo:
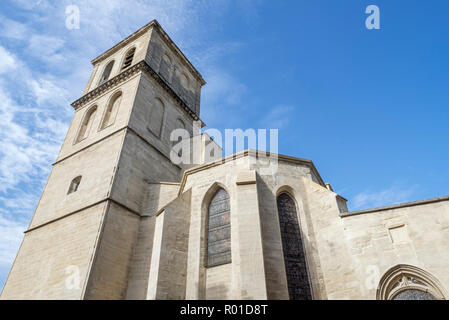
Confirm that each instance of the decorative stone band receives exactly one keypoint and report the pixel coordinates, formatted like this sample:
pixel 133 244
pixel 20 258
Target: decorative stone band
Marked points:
pixel 43 224
pixel 396 206
pixel 245 153
pixel 123 76
pixel 154 23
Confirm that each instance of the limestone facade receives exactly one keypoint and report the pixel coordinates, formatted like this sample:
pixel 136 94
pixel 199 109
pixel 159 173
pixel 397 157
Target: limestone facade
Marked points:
pixel 136 225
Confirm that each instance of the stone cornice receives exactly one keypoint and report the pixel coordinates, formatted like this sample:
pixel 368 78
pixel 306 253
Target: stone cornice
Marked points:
pixel 43 224
pixel 246 153
pixel 118 79
pixel 396 206
pixel 123 76
pixel 153 24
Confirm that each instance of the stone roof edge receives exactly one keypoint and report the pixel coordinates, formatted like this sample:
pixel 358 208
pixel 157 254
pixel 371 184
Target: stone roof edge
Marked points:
pixel 165 183
pixel 245 153
pixel 342 198
pixel 154 23
pixel 396 206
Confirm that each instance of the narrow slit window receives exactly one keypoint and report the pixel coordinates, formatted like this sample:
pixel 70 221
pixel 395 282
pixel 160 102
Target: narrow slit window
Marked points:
pixel 129 59
pixel 74 185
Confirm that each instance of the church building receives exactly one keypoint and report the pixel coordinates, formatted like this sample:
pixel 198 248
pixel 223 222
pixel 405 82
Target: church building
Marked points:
pixel 118 219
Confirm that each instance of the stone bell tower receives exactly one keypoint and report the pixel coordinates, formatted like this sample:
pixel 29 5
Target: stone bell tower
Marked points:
pixel 80 242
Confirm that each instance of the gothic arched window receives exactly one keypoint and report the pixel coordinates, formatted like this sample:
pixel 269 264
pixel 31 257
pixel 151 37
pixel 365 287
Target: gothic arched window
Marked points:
pixel 112 110
pixel 294 257
pixel 87 123
pixel 156 117
pixel 106 73
pixel 405 282
pixel 74 185
pixel 219 230
pixel 128 58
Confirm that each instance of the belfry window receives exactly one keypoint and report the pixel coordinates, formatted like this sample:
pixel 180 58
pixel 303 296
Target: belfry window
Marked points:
pixel 294 257
pixel 74 185
pixel 111 111
pixel 106 73
pixel 219 230
pixel 129 59
pixel 87 124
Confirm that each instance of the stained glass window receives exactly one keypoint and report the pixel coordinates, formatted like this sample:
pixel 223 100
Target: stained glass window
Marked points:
pixel 219 230
pixel 294 257
pixel 413 294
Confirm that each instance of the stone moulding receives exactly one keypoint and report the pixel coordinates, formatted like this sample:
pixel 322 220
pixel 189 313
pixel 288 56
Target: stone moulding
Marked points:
pixel 396 206
pixel 141 66
pixel 153 24
pixel 406 277
pixel 245 153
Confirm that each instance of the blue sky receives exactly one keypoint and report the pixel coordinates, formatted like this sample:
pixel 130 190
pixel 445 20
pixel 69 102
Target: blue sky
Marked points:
pixel 369 107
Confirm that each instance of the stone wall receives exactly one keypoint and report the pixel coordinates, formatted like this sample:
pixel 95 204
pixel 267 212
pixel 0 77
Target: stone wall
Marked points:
pixel 108 279
pixel 52 257
pixel 168 271
pixel 174 70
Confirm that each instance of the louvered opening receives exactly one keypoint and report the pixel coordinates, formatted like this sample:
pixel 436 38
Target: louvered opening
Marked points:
pixel 129 59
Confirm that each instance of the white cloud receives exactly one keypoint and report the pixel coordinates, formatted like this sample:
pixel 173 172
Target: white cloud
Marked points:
pixel 11 234
pixel 12 29
pixel 278 117
pixel 7 61
pixel 46 48
pixel 48 92
pixel 372 199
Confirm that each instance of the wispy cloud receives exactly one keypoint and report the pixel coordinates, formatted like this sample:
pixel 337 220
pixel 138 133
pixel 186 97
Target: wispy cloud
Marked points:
pixel 389 196
pixel 11 233
pixel 7 61
pixel 223 93
pixel 12 29
pixel 278 117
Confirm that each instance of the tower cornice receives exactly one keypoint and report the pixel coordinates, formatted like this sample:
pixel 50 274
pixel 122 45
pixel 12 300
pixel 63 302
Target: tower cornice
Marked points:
pixel 153 24
pixel 141 66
